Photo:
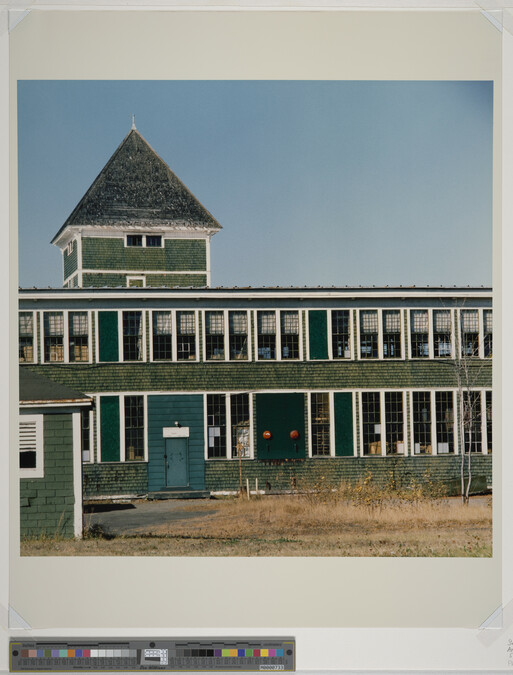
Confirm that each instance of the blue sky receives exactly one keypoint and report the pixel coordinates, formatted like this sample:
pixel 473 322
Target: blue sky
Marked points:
pixel 315 183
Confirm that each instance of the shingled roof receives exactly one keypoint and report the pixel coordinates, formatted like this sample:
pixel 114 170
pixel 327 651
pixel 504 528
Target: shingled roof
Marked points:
pixel 37 389
pixel 137 188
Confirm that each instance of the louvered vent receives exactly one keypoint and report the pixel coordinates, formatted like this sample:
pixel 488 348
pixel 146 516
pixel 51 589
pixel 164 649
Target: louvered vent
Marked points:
pixel 28 444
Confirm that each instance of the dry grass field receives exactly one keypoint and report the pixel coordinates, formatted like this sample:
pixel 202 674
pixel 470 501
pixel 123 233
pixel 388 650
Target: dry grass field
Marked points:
pixel 361 520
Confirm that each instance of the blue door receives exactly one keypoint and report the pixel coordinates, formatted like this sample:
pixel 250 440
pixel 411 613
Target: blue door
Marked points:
pixel 177 462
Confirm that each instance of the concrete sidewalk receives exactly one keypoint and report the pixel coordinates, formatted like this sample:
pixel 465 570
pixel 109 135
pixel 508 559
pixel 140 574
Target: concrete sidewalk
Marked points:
pixel 139 517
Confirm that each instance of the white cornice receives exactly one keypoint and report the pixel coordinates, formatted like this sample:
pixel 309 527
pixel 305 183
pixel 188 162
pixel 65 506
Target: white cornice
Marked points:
pixel 168 231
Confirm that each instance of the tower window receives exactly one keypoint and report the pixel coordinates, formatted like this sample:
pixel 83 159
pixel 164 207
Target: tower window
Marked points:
pixel 153 241
pixel 134 240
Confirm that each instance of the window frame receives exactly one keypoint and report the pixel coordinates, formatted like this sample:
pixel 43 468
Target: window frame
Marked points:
pixel 277 316
pixel 226 334
pixel 230 455
pixel 134 277
pixel 330 394
pixel 380 356
pixel 382 422
pixel 455 343
pixel 174 335
pixel 122 450
pixel 66 336
pixel 35 341
pixel 481 333
pixel 121 335
pixel 143 242
pixel 38 470
pixel 331 357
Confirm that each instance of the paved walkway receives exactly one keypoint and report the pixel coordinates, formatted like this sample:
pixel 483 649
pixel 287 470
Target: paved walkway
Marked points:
pixel 139 517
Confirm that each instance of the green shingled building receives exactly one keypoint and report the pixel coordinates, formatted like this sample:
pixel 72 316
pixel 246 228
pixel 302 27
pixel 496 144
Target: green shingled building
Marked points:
pixel 191 383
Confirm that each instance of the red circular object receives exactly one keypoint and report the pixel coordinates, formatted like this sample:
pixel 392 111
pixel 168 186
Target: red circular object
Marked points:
pixel 267 435
pixel 294 435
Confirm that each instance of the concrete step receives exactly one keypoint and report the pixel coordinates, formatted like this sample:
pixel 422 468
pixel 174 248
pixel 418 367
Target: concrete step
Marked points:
pixel 177 493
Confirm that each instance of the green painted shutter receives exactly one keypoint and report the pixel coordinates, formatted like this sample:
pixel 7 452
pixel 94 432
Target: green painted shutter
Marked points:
pixel 280 414
pixel 343 424
pixel 108 336
pixel 109 428
pixel 318 334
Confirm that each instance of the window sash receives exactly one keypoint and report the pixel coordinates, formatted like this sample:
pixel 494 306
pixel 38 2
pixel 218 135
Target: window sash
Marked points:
pixel 161 323
pixel 185 323
pixel 214 323
pixel 392 321
pixel 419 321
pixel 78 324
pixel 369 321
pixel 238 322
pixel 266 323
pixel 289 323
pixel 469 320
pixel 54 324
pixel 26 324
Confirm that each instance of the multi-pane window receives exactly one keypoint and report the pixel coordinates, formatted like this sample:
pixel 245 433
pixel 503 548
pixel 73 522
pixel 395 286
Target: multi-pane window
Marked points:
pixel 214 335
pixel 369 334
pixel 419 333
pixel 391 334
pixel 469 332
pixel 444 403
pixel 239 411
pixel 153 240
pixel 78 336
pixel 134 240
pixel 26 337
pixel 472 418
pixel 134 428
pixel 266 328
pixel 320 424
pixel 238 335
pixel 289 322
pixel 185 336
pixel 421 422
pixel 487 332
pixel 442 330
pixel 371 423
pixel 340 334
pixel 85 435
pixel 132 336
pixel 394 423
pixel 162 336
pixel 216 425
pixel 53 323
pixel 488 403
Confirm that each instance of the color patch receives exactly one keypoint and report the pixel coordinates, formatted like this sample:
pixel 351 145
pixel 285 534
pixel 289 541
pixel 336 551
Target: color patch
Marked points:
pixel 226 652
pixel 264 652
pixel 32 653
pixel 86 653
pixel 233 652
pixel 78 653
pixel 241 652
pixel 56 653
pixel 63 653
pixel 256 652
pixel 249 652
pixel 272 652
pixel 218 653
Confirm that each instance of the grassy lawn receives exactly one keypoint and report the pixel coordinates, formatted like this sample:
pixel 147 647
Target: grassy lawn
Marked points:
pixel 320 524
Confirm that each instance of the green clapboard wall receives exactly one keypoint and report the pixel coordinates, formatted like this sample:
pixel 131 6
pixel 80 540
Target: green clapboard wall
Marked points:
pixel 280 414
pixel 318 334
pixel 343 403
pixel 109 428
pixel 108 336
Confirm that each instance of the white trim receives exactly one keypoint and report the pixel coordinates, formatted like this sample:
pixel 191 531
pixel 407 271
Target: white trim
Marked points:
pixel 351 296
pixel 69 404
pixel 207 260
pixel 77 474
pixel 167 231
pixel 175 432
pixel 37 420
pixel 355 436
pixel 130 278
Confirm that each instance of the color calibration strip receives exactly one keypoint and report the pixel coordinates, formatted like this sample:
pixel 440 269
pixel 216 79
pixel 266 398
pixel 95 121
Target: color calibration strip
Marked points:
pixel 269 654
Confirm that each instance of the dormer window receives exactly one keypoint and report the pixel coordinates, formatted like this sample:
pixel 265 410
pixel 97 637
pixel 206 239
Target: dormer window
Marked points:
pixel 134 240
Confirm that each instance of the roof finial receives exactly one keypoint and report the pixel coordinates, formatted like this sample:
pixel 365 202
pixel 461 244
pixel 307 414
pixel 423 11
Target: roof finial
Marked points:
pixel 133 122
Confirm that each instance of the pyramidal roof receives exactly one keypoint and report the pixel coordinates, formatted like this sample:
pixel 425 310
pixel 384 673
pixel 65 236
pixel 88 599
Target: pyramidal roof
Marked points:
pixel 137 188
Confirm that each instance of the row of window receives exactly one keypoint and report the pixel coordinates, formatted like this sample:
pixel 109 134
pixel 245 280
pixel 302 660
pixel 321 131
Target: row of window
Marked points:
pixel 384 427
pixel 66 335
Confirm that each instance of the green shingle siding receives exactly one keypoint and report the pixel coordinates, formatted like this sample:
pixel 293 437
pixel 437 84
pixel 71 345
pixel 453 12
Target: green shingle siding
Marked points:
pixel 224 474
pixel 109 428
pixel 239 375
pixel 70 261
pixel 164 411
pixel 177 255
pixel 174 280
pixel 47 504
pixel 123 478
pixel 100 280
pixel 318 334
